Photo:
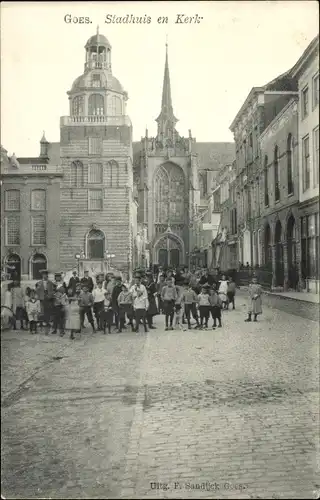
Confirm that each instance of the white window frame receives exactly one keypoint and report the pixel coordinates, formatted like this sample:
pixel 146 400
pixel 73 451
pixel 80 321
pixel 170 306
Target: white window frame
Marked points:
pixel 91 179
pixel 305 105
pixel 45 201
pixel 6 200
pixel 17 217
pixel 90 209
pixel 305 188
pixel 94 146
pixel 315 134
pixel 315 91
pixel 38 243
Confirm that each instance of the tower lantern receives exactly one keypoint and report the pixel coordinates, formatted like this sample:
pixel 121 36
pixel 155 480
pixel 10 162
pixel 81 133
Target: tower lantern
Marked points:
pixel 98 53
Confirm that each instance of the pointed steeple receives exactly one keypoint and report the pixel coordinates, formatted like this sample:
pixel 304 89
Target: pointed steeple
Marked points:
pixel 166 120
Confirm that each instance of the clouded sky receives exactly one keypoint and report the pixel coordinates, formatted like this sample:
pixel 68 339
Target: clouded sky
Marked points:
pixel 213 64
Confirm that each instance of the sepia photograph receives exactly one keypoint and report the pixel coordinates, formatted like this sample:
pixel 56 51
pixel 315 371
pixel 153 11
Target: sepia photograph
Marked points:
pixel 160 250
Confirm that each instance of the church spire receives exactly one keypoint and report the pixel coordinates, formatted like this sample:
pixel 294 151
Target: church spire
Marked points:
pixel 166 120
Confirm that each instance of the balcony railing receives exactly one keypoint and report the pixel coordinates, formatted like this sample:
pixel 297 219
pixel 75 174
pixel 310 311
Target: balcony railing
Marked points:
pixel 95 120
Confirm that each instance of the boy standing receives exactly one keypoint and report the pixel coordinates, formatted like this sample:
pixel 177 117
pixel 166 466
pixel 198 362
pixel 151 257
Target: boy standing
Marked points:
pixel 125 302
pixel 140 303
pixel 85 303
pixel 169 296
pixel 190 300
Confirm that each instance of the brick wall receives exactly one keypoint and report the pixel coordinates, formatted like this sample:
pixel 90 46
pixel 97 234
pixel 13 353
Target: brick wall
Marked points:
pixel 114 219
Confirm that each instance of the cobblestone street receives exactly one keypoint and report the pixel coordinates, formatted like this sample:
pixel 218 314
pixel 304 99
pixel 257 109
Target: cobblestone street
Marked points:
pixel 234 410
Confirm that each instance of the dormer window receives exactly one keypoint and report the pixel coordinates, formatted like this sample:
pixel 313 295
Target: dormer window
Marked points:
pixel 96 81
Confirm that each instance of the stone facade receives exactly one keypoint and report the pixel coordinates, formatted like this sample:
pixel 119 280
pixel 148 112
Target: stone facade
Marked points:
pixel 97 203
pixel 278 225
pixel 307 72
pixel 175 177
pixel 30 215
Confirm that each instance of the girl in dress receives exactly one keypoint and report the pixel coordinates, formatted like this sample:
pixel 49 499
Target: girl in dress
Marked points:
pixel 73 316
pixel 223 290
pixel 254 300
pixel 33 310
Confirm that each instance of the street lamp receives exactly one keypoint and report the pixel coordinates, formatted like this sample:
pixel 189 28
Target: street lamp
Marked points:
pixel 78 257
pixel 109 257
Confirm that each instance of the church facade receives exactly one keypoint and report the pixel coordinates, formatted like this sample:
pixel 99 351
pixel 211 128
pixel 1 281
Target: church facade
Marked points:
pixel 174 176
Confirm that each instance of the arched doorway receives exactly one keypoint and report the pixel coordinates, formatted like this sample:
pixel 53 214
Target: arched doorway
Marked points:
pixel 279 269
pixel 292 253
pixel 267 247
pixel 168 251
pixel 38 262
pixel 96 244
pixel 13 266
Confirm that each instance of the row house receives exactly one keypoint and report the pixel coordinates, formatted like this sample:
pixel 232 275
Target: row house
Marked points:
pixel 276 182
pixel 307 72
pixel 262 105
pixel 278 234
pixel 205 228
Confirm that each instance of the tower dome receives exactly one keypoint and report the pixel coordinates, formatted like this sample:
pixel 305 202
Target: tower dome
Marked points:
pixel 98 39
pixel 98 53
pixel 97 91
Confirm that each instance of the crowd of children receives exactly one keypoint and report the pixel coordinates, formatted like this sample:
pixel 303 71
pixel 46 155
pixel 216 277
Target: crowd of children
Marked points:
pixel 183 298
pixel 57 307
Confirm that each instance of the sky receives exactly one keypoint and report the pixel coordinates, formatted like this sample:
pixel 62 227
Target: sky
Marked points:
pixel 213 64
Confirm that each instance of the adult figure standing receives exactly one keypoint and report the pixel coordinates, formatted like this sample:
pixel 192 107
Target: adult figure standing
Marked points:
pixel 117 289
pixel 45 292
pixel 18 305
pixel 152 291
pixel 87 281
pixel 72 285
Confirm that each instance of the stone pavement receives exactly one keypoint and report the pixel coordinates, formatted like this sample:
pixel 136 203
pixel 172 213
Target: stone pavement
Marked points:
pixel 229 413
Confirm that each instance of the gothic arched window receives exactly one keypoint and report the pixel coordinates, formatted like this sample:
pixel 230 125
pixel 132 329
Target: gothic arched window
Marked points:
pixel 76 174
pixel 96 244
pixel 169 194
pixel 113 174
pixel 78 105
pixel 289 163
pixel 96 104
pixel 266 181
pixel 276 174
pixel 203 185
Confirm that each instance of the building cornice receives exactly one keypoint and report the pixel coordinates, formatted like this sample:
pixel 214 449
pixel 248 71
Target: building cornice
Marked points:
pixel 279 120
pixel 253 92
pixel 311 52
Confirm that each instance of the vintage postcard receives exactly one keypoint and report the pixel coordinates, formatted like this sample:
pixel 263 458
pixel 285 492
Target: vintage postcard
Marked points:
pixel 160 249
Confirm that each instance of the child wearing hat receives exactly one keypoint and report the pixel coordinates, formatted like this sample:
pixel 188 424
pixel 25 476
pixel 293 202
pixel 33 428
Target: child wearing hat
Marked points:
pixel 125 303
